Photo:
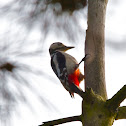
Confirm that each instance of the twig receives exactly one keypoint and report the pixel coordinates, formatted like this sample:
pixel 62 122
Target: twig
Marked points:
pixel 61 121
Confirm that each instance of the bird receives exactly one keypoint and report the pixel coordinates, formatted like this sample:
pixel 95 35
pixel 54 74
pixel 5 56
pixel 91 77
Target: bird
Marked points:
pixel 66 68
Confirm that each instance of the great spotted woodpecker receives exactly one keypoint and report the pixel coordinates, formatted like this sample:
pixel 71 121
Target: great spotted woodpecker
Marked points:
pixel 66 68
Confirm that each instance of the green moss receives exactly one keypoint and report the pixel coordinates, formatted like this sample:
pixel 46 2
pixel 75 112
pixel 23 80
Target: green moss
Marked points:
pixel 94 111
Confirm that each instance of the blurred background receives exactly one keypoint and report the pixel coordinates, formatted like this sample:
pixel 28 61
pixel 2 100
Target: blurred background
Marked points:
pixel 30 92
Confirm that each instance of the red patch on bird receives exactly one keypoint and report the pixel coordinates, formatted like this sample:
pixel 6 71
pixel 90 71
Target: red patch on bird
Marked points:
pixel 74 77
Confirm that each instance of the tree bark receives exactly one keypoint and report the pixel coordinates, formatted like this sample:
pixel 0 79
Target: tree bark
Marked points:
pixel 121 114
pixel 95 48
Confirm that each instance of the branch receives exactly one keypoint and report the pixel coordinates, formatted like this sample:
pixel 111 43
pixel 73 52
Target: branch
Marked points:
pixel 115 101
pixel 61 121
pixel 121 114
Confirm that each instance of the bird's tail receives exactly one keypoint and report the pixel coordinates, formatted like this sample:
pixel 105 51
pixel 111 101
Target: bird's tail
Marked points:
pixel 76 89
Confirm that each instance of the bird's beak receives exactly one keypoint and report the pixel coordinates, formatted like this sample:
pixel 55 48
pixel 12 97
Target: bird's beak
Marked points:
pixel 65 48
pixel 69 47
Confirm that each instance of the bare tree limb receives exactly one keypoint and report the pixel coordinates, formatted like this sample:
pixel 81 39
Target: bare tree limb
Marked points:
pixel 61 121
pixel 115 101
pixel 121 113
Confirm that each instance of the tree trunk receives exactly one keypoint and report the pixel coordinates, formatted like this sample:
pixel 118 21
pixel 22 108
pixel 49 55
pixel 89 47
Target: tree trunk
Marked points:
pixel 94 110
pixel 95 47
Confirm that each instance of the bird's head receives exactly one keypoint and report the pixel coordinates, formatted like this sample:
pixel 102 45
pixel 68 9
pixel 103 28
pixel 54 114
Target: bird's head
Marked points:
pixel 58 46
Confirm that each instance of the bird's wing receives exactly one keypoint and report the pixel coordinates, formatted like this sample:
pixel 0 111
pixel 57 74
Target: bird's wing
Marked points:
pixel 58 64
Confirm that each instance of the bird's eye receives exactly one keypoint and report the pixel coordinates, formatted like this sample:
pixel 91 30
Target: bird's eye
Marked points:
pixel 59 44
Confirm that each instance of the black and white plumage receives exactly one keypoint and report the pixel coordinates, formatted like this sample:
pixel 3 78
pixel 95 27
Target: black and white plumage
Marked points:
pixel 65 67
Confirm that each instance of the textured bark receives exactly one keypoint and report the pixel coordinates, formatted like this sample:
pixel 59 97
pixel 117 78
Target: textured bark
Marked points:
pixel 95 112
pixel 102 112
pixel 95 47
pixel 121 114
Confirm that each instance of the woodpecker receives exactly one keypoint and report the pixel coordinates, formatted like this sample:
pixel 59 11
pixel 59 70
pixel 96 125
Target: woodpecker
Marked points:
pixel 66 68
